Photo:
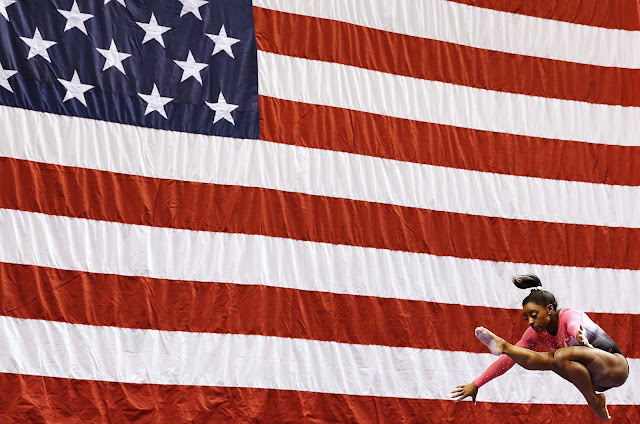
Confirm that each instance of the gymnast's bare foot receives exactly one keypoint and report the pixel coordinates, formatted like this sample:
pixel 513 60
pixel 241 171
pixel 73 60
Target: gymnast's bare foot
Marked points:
pixel 599 407
pixel 495 344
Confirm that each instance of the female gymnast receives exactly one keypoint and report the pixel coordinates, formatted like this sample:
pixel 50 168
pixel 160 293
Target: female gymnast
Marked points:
pixel 581 352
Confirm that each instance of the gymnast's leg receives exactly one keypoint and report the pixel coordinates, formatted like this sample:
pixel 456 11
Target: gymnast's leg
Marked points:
pixel 526 358
pixel 568 365
pixel 605 369
pixel 577 372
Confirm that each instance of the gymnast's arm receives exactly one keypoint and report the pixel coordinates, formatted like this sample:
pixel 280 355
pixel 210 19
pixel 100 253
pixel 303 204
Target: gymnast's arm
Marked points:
pixel 529 340
pixel 573 319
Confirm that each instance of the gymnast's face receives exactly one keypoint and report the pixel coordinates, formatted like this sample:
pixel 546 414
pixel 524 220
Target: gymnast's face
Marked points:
pixel 537 316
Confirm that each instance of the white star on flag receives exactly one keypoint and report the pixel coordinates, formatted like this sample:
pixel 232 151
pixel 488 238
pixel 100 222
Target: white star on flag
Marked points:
pixel 153 31
pixel 155 102
pixel 223 109
pixel 38 46
pixel 113 57
pixel 223 43
pixel 191 68
pixel 75 89
pixel 119 1
pixel 5 74
pixel 192 6
pixel 3 7
pixel 75 19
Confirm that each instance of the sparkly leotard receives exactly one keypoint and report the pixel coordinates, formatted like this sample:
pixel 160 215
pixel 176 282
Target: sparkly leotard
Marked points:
pixel 569 322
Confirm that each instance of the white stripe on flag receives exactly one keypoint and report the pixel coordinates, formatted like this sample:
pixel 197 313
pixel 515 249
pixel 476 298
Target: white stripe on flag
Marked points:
pixel 126 149
pixel 304 80
pixel 113 248
pixel 206 359
pixel 483 28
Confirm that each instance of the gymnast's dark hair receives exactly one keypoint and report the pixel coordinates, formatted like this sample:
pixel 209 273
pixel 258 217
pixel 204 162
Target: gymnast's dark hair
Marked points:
pixel 537 296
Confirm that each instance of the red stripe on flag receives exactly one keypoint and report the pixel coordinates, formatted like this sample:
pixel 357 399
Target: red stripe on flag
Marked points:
pixel 613 14
pixel 326 40
pixel 120 301
pixel 29 398
pixel 81 193
pixel 331 128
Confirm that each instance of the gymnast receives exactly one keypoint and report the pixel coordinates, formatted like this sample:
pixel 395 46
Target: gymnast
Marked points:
pixel 581 352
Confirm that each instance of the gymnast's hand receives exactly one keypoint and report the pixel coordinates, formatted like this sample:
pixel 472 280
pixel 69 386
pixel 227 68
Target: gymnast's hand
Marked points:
pixel 462 392
pixel 581 335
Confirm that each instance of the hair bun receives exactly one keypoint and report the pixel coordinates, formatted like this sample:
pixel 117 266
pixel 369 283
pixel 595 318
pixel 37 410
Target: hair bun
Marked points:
pixel 527 281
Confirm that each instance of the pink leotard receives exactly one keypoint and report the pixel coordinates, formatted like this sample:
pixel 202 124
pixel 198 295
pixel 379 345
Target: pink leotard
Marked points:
pixel 569 322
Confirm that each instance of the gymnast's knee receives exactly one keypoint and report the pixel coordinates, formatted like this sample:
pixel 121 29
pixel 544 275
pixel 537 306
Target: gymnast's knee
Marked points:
pixel 563 356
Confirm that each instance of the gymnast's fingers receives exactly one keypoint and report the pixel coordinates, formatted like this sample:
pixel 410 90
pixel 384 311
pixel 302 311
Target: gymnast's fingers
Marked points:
pixel 461 396
pixel 583 337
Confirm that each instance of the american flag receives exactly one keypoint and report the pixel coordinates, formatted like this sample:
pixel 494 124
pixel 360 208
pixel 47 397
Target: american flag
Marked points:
pixel 298 211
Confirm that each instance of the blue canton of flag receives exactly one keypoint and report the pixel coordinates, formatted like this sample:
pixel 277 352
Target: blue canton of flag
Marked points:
pixel 182 65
